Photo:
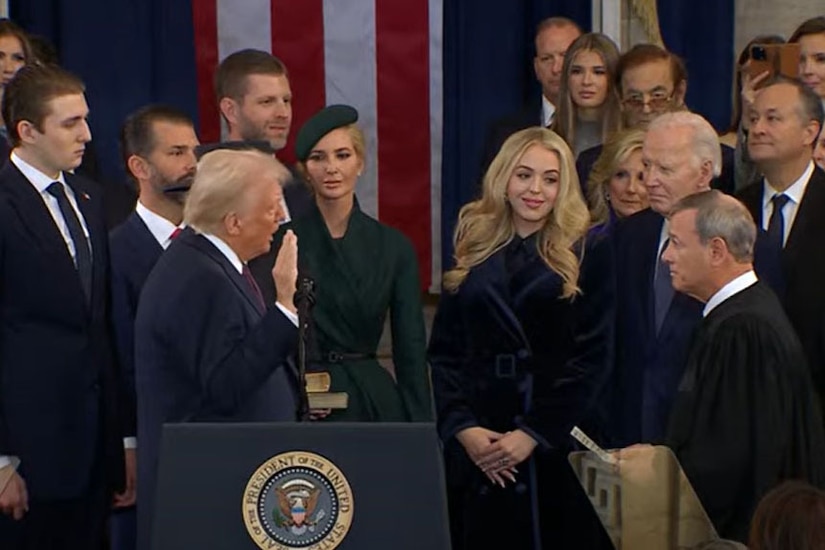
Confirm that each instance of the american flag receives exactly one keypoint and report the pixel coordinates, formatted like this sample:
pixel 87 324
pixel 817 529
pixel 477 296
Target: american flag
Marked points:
pixel 381 56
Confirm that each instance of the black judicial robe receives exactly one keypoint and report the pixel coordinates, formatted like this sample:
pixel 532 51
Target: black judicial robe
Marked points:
pixel 507 353
pixel 745 417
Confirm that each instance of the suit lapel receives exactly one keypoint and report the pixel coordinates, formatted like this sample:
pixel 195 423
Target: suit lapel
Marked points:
pixel 648 247
pixel 493 275
pixel 808 215
pixel 141 239
pixel 202 244
pixel 89 207
pixel 751 197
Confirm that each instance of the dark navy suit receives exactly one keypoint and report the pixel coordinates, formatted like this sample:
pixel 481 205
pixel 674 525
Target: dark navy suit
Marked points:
pixel 133 251
pixel 58 382
pixel 205 351
pixel 649 366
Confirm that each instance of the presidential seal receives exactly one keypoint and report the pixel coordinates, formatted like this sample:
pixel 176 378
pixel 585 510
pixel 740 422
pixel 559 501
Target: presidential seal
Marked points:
pixel 297 500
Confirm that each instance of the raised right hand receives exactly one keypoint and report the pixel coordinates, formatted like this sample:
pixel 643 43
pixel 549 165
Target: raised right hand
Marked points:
pixel 285 270
pixel 14 500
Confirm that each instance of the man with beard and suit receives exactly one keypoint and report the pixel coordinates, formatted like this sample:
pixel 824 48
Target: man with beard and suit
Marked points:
pixel 158 145
pixel 745 417
pixel 58 382
pixel 553 36
pixel 652 81
pixel 207 347
pixel 255 101
pixel 789 203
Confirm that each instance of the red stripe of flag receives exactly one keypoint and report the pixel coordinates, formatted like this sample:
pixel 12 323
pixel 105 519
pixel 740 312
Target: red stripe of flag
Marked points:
pixel 298 41
pixel 205 18
pixel 403 66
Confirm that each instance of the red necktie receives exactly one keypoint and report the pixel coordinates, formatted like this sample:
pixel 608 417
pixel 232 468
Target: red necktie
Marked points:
pixel 256 290
pixel 175 233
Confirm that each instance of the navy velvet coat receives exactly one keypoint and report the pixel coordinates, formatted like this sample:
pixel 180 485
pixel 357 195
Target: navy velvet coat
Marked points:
pixel 507 352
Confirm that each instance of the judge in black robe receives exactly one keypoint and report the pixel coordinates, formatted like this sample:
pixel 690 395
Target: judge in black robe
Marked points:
pixel 745 416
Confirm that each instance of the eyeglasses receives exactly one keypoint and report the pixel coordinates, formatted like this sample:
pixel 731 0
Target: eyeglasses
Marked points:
pixel 657 100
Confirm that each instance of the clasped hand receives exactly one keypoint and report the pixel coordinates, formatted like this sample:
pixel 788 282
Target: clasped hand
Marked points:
pixel 497 454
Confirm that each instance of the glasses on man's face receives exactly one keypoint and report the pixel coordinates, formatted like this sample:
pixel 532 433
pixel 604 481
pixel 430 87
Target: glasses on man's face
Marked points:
pixel 657 100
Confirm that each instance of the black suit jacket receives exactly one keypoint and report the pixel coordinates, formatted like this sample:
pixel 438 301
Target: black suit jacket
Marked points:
pixel 724 183
pixel 803 267
pixel 58 384
pixel 134 252
pixel 204 352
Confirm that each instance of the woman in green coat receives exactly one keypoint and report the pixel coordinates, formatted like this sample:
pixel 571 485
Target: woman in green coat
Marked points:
pixel 363 271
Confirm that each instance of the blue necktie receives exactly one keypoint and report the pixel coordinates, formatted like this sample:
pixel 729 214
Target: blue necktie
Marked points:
pixel 776 225
pixel 82 251
pixel 662 289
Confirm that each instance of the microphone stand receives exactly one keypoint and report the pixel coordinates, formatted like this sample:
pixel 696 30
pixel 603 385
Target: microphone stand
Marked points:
pixel 304 300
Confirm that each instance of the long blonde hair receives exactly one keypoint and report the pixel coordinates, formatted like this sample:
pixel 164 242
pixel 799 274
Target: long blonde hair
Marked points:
pixel 486 225
pixel 567 115
pixel 616 150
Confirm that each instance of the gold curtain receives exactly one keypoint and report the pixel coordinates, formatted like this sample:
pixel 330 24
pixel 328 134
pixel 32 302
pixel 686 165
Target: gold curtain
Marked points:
pixel 648 14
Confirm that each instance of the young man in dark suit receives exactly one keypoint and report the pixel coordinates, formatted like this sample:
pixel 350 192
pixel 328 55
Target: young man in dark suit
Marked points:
pixel 789 203
pixel 255 101
pixel 207 347
pixel 158 145
pixel 58 383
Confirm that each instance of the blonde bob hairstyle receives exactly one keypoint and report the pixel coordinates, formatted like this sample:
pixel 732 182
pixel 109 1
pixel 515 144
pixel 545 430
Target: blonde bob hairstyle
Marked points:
pixel 226 182
pixel 359 145
pixel 616 150
pixel 485 225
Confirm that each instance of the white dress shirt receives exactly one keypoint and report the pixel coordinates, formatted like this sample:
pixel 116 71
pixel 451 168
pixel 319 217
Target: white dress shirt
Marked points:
pixel 41 181
pixel 795 193
pixel 160 228
pixel 236 262
pixel 733 287
pixel 548 111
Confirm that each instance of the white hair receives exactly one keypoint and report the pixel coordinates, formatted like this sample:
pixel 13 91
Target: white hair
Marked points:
pixel 704 140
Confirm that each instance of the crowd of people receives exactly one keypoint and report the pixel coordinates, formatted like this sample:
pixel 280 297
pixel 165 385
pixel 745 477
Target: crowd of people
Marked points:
pixel 622 270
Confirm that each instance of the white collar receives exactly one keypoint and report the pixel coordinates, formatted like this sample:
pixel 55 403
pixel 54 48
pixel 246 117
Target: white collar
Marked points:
pixel 226 250
pixel 548 111
pixel 795 191
pixel 160 228
pixel 37 178
pixel 735 286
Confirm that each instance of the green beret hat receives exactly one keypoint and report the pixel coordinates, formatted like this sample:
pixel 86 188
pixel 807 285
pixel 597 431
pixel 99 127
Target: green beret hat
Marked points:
pixel 320 124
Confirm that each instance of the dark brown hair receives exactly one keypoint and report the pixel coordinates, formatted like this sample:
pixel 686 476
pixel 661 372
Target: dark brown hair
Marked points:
pixel 137 136
pixel 232 73
pixel 10 28
pixel 28 94
pixel 814 25
pixel 640 54
pixel 790 517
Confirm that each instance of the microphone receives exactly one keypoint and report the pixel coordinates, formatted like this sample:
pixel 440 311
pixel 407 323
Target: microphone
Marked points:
pixel 304 300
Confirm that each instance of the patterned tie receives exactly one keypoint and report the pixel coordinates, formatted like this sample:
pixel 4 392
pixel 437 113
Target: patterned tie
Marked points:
pixel 662 289
pixel 776 225
pixel 83 253
pixel 256 290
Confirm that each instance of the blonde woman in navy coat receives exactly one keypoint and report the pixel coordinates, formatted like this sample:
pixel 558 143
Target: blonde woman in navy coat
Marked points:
pixel 520 346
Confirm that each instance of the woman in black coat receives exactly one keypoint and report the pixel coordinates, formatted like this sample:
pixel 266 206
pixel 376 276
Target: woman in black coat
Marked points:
pixel 521 343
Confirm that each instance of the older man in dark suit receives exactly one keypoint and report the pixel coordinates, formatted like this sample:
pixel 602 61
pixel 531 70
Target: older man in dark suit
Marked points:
pixel 58 384
pixel 789 203
pixel 207 348
pixel 158 144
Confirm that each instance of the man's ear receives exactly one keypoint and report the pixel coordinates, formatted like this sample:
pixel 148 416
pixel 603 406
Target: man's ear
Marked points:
pixel 229 109
pixel 27 131
pixel 812 130
pixel 679 93
pixel 138 167
pixel 718 250
pixel 232 224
